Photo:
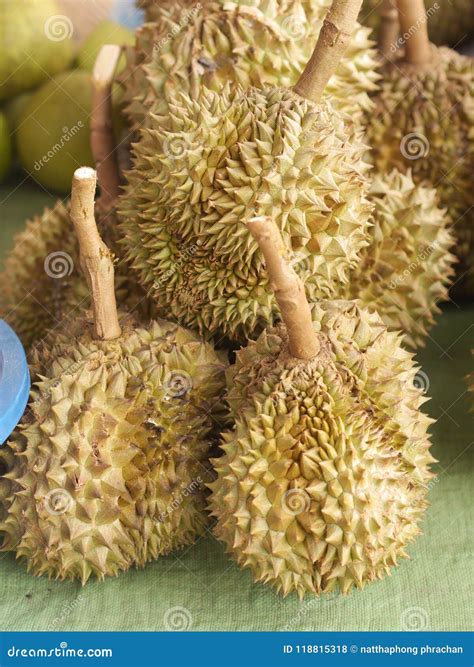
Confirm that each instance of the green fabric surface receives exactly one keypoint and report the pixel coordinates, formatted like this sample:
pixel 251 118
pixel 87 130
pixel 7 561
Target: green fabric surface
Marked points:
pixel 201 589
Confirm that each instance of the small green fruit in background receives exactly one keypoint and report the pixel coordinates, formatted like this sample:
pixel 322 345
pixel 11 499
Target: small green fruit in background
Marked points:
pixel 53 135
pixel 14 109
pixel 5 147
pixel 35 39
pixel 107 32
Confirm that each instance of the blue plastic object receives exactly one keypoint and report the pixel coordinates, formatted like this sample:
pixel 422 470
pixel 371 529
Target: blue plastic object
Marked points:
pixel 14 381
pixel 125 12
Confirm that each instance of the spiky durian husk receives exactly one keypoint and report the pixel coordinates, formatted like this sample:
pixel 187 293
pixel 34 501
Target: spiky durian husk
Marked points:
pixel 323 480
pixel 407 268
pixel 41 281
pixel 436 130
pixel 33 298
pixel 112 458
pixel 227 157
pixel 153 8
pixel 252 43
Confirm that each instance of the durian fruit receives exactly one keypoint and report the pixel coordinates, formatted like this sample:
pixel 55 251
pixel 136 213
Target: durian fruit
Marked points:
pixel 450 22
pixel 111 459
pixel 153 8
pixel 323 480
pixel 424 120
pixel 230 154
pixel 249 42
pixel 40 281
pixel 407 268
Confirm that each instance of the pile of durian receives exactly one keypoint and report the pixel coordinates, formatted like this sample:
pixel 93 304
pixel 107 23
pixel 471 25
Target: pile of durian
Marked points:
pixel 276 253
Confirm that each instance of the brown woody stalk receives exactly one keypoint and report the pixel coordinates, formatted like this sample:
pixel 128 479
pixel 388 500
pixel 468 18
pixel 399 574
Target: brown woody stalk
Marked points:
pixel 389 29
pixel 288 288
pixel 332 42
pixel 414 30
pixel 94 256
pixel 102 132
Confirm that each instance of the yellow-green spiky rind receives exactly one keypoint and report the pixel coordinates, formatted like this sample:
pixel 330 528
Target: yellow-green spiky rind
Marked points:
pixel 450 22
pixel 112 457
pixel 437 128
pixel 33 298
pixel 250 43
pixel 153 8
pixel 42 282
pixel 407 268
pixel 228 157
pixel 323 481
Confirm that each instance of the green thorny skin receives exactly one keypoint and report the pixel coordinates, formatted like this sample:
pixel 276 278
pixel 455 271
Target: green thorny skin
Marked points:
pixel 41 282
pixel 108 468
pixel 226 157
pixel 250 43
pixel 407 268
pixel 323 480
pixel 424 121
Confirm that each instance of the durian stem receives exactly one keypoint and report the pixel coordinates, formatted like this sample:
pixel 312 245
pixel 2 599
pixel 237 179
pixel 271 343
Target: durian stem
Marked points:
pixel 289 289
pixel 414 31
pixel 102 132
pixel 332 42
pixel 389 29
pixel 95 258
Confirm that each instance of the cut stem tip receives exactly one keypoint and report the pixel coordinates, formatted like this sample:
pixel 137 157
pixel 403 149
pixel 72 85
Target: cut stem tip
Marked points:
pixel 95 258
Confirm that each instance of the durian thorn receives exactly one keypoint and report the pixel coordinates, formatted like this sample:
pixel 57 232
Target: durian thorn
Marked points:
pixel 288 287
pixel 95 258
pixel 332 43
pixel 102 132
pixel 413 20
pixel 389 28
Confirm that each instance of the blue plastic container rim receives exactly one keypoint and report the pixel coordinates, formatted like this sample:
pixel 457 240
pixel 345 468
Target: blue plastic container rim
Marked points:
pixel 15 381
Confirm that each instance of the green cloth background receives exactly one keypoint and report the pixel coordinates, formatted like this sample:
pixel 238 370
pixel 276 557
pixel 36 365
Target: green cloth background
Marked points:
pixel 203 590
